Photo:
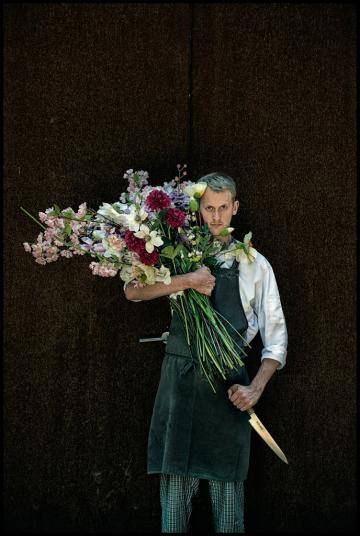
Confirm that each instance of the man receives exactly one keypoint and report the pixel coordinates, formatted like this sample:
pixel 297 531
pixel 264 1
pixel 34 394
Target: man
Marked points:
pixel 194 433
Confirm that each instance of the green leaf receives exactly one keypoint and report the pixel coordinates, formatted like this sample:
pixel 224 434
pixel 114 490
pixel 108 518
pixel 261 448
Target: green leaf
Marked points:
pixel 168 252
pixel 57 210
pixel 67 229
pixel 179 247
pixel 67 214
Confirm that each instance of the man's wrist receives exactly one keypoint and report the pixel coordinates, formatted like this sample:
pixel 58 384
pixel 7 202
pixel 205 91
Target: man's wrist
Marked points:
pixel 258 385
pixel 265 372
pixel 186 281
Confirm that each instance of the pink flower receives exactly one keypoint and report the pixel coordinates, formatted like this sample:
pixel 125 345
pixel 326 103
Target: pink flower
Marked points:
pixel 27 247
pixel 66 253
pixel 53 258
pixel 51 251
pixel 37 250
pixel 175 217
pixel 99 248
pixel 55 223
pixel 157 200
pixel 49 234
pixel 102 270
pixel 40 260
pixel 116 242
pixel 74 239
pixel 82 211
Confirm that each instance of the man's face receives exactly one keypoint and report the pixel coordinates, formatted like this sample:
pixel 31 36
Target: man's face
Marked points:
pixel 217 209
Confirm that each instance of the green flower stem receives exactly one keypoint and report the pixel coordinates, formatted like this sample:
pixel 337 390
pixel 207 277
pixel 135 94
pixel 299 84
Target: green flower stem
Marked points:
pixel 185 320
pixel 72 219
pixel 212 336
pixel 207 310
pixel 109 221
pixel 162 229
pixel 227 341
pixel 32 217
pixel 216 350
pixel 183 311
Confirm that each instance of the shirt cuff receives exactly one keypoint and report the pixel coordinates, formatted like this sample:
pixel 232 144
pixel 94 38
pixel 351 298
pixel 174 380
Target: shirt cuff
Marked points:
pixel 125 285
pixel 277 353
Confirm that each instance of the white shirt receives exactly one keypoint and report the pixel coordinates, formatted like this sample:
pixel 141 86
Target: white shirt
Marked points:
pixel 262 306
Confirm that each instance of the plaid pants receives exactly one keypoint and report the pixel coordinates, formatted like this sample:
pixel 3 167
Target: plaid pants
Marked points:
pixel 176 493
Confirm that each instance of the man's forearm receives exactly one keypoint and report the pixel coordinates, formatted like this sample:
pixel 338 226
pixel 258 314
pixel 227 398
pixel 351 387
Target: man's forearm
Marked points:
pixel 266 370
pixel 149 292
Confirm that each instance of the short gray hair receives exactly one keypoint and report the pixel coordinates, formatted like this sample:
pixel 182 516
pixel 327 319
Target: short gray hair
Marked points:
pixel 219 181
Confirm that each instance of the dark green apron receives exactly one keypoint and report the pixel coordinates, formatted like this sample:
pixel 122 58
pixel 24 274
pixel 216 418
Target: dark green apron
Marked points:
pixel 194 431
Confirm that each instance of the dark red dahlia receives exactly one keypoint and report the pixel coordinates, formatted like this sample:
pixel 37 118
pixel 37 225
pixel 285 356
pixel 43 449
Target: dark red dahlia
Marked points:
pixel 175 217
pixel 149 258
pixel 157 200
pixel 134 243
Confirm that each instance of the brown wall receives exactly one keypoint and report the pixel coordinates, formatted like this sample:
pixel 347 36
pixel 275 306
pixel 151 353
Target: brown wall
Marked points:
pixel 91 90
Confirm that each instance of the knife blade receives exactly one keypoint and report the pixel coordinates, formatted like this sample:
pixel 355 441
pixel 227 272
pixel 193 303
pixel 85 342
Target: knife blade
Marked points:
pixel 264 434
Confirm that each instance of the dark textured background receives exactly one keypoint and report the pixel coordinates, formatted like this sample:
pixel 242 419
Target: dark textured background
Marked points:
pixel 265 93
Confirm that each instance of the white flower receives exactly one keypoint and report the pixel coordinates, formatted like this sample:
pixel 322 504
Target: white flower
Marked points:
pixel 151 237
pixel 196 190
pixel 247 238
pixel 126 273
pixel 174 295
pixel 163 275
pixel 242 251
pixel 110 213
pixel 248 254
pixel 150 274
pixel 98 235
pixel 246 257
pixel 135 218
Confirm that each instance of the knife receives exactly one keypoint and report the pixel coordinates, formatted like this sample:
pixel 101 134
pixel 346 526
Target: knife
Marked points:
pixel 163 338
pixel 264 434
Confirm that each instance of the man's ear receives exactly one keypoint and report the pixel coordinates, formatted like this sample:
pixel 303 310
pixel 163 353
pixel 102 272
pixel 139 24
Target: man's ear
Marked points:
pixel 235 207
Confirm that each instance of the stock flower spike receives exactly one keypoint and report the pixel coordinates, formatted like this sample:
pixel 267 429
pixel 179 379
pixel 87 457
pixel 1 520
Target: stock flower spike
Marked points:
pixel 151 234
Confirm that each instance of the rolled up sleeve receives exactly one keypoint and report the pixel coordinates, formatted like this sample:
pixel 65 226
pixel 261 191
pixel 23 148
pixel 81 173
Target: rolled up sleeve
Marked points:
pixel 271 320
pixel 125 285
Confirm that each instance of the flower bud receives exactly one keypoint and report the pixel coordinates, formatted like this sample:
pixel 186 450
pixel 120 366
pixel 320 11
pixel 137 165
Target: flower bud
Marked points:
pixel 226 231
pixel 193 205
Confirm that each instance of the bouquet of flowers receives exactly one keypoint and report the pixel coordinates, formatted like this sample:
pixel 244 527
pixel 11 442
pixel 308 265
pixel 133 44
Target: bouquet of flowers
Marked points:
pixel 149 235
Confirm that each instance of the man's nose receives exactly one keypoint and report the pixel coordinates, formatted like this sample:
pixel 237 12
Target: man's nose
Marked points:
pixel 216 215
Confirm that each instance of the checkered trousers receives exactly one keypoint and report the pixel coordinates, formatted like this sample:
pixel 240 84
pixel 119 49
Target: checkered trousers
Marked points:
pixel 177 491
